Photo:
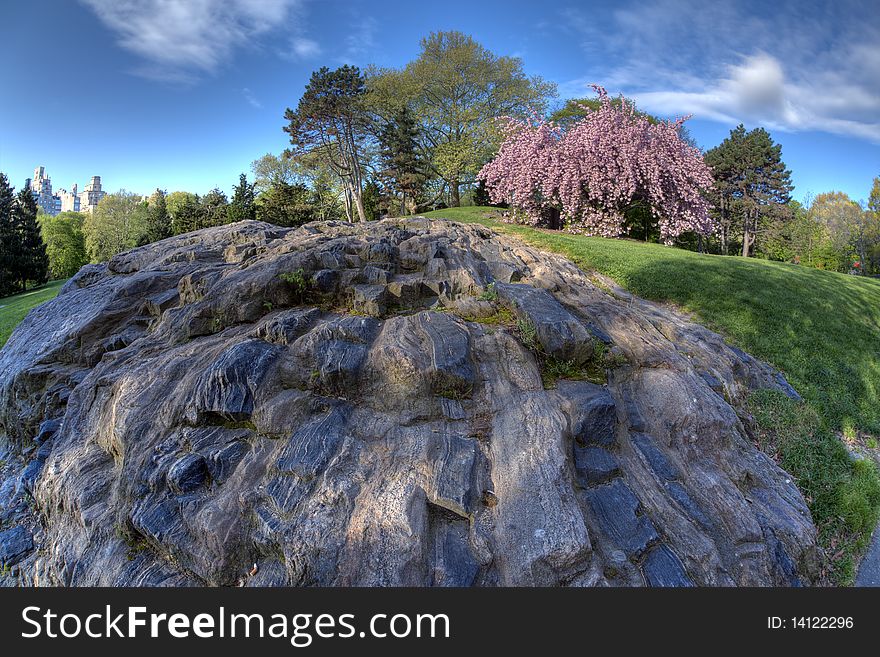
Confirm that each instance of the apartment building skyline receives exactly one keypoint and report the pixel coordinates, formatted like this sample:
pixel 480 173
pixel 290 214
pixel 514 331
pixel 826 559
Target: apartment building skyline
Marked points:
pixel 63 200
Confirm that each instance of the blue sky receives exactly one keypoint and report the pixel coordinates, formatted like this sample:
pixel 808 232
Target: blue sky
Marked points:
pixel 185 94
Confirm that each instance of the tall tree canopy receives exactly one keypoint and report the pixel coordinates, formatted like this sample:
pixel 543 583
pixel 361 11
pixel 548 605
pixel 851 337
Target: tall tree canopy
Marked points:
pixel 402 170
pixel 752 185
pixel 606 164
pixel 331 120
pixel 455 88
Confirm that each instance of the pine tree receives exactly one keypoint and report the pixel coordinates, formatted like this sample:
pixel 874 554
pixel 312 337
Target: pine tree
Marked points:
pixel 190 216
pixel 9 242
pixel 241 207
pixel 213 206
pixel 752 185
pixel 403 171
pixel 158 225
pixel 32 261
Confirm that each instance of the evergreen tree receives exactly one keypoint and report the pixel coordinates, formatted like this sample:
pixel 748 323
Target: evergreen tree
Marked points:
pixel 286 205
pixel 213 205
pixel 189 215
pixel 158 224
pixel 752 185
pixel 403 171
pixel 242 206
pixel 372 201
pixel 32 261
pixel 9 242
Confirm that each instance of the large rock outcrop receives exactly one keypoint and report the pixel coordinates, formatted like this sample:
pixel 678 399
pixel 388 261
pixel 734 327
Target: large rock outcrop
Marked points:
pixel 408 402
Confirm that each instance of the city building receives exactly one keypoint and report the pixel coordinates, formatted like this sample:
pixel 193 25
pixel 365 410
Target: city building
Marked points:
pixel 69 200
pixel 62 200
pixel 41 188
pixel 91 195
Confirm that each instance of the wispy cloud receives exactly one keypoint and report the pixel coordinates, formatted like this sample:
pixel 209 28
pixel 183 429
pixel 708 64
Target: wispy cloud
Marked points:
pixel 303 48
pixel 251 99
pixel 361 39
pixel 179 40
pixel 797 66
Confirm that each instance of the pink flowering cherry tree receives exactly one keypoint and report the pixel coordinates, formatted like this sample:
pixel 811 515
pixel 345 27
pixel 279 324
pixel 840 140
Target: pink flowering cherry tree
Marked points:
pixel 607 163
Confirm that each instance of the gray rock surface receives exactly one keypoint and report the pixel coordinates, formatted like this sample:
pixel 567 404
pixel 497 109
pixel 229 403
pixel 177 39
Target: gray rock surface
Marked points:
pixel 185 411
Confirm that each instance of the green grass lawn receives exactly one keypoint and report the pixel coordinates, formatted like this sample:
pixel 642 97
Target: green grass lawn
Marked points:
pixel 821 329
pixel 13 309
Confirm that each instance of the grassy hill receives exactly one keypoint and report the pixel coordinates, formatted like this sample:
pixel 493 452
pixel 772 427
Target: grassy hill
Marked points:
pixel 13 309
pixel 821 329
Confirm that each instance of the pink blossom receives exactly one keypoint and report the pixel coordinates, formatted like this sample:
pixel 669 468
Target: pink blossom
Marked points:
pixel 597 169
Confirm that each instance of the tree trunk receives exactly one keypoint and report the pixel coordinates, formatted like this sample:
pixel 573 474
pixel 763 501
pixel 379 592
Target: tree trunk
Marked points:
pixel 455 197
pixel 359 203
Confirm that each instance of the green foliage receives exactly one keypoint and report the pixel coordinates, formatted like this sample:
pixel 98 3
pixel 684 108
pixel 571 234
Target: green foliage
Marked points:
pixel 118 224
pixel 65 243
pixel 402 170
pixel 158 220
pixel 13 309
pixel 752 186
pixel 186 212
pixel 577 108
pixel 8 238
pixel 23 256
pixel 490 293
pixel 455 89
pixel 242 206
pixel 286 205
pixel 372 196
pixel 214 208
pixel 299 284
pixel 843 496
pixel 331 122
pixel 527 334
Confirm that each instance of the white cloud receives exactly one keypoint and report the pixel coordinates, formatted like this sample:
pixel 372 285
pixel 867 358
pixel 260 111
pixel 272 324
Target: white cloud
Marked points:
pixel 180 39
pixel 251 99
pixel 796 67
pixel 303 48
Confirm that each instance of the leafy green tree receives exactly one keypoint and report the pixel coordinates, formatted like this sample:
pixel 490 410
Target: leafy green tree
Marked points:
pixel 269 170
pixel 242 206
pixel 752 186
pixel 402 168
pixel 9 239
pixel 286 205
pixel 214 208
pixel 117 224
pixel 32 263
pixel 65 243
pixel 456 88
pixel 851 228
pixel 158 219
pixel 331 121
